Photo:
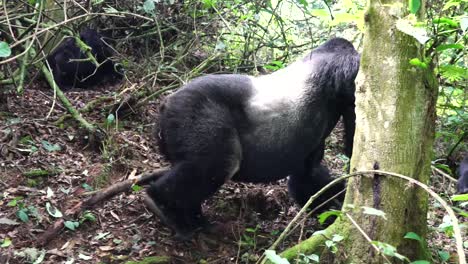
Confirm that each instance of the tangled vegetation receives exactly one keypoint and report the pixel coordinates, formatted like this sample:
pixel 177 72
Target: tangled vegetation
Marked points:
pixel 55 143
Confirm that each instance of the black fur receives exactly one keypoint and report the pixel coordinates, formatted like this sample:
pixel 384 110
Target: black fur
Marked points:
pixel 462 185
pixel 315 176
pixel 219 127
pixel 70 73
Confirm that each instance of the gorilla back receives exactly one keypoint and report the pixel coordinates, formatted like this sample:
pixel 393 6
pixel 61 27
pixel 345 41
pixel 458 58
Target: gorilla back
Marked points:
pixel 255 129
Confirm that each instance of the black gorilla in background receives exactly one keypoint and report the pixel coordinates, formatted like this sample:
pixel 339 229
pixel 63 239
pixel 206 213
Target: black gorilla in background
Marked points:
pixel 462 184
pixel 71 68
pixel 253 129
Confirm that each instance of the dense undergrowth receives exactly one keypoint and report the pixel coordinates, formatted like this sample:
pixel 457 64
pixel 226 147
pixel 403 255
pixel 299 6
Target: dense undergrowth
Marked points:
pixel 47 157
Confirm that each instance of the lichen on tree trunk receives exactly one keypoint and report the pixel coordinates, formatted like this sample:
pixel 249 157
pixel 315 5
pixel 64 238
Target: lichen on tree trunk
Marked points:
pixel 395 114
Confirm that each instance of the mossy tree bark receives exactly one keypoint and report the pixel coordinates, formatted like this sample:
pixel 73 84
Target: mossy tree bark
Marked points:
pixel 395 109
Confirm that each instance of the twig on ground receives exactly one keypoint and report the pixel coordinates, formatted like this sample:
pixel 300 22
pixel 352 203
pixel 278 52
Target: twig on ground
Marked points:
pixel 97 197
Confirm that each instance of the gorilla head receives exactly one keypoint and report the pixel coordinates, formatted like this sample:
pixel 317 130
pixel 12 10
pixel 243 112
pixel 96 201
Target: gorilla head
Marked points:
pixel 253 129
pixel 71 66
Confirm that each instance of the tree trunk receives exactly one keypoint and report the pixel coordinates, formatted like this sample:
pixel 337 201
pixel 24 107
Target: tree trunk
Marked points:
pixel 395 115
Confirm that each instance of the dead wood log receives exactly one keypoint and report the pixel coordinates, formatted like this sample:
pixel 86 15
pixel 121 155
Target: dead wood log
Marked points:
pixel 97 197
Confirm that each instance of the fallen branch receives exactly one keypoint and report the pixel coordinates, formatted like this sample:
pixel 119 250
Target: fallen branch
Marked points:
pixel 86 109
pixel 97 197
pixel 95 133
pixel 109 192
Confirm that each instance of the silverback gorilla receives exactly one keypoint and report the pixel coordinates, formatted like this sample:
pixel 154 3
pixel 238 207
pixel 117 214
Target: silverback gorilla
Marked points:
pixel 462 184
pixel 71 68
pixel 253 129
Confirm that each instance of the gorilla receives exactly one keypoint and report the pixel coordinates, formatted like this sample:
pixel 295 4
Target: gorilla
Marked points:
pixel 69 72
pixel 301 187
pixel 253 129
pixel 462 184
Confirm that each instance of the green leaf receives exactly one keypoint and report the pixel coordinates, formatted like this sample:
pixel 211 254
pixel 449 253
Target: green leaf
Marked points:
pixel 303 3
pixel 72 225
pixel 6 242
pixel 313 257
pixel 446 226
pixel 453 73
pixel 273 257
pixel 12 203
pixel 250 230
pixel 110 10
pixel 53 211
pixel 460 197
pixel 337 238
pixel 88 216
pixel 373 211
pixel 149 6
pixel 32 211
pixel 445 21
pixel 420 262
pixel 26 140
pixel 220 46
pixel 5 50
pixel 451 3
pixel 414 236
pixel 324 216
pixel 110 119
pixel 87 187
pixel 22 215
pixel 274 65
pixel 49 147
pixel 414 6
pixel 418 63
pixel 207 4
pixel 443 255
pixel 389 250
pixel 136 188
pixel 329 243
pixel 449 46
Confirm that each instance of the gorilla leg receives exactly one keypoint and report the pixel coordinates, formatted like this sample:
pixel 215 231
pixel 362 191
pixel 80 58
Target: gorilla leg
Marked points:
pixel 302 186
pixel 180 192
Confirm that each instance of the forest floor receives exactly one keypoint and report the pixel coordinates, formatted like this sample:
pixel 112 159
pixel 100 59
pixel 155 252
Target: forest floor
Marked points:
pixel 45 166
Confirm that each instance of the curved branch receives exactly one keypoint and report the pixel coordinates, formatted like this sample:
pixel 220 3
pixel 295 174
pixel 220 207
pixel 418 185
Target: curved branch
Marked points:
pixel 312 243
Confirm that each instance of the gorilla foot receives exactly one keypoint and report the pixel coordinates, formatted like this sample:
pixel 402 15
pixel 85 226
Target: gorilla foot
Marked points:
pixel 155 209
pixel 173 219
